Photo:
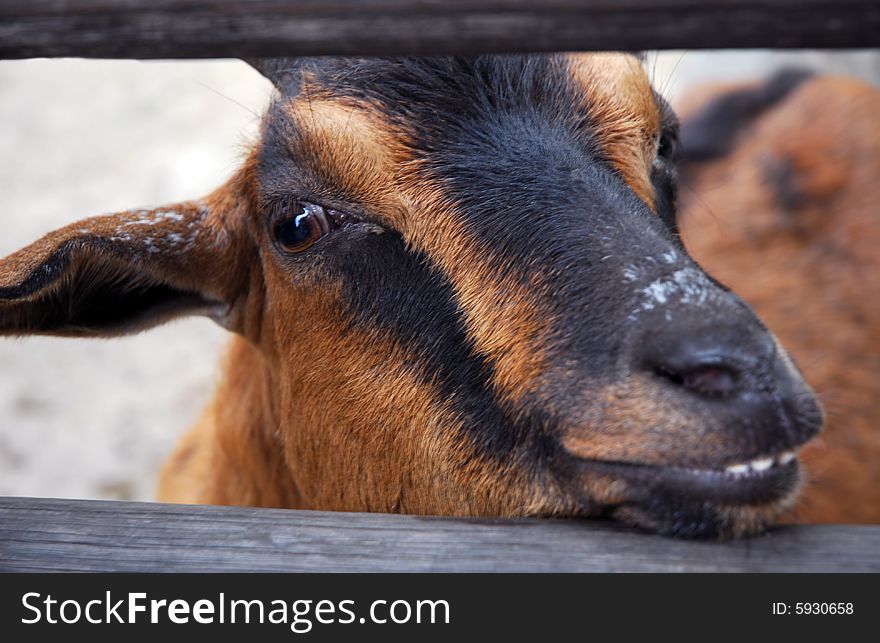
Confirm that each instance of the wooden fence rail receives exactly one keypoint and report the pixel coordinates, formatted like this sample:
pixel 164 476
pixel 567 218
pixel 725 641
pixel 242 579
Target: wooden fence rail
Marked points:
pixel 253 28
pixel 81 535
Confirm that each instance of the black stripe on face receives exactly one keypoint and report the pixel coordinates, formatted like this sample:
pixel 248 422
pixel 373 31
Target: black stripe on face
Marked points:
pixel 396 291
pixel 560 226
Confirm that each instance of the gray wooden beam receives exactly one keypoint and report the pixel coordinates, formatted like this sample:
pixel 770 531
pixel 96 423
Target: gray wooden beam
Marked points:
pixel 81 535
pixel 254 28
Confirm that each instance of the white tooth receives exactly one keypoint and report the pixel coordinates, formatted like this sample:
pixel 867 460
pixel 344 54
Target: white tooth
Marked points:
pixel 738 469
pixel 786 457
pixel 762 465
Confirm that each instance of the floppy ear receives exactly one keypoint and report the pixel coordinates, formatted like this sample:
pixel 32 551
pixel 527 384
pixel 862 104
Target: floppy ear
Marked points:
pixel 122 273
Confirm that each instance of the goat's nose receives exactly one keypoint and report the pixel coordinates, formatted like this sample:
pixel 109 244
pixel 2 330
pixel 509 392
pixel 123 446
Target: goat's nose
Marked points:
pixel 729 366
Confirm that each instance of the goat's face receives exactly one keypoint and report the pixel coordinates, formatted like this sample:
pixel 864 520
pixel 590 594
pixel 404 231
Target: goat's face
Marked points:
pixel 465 282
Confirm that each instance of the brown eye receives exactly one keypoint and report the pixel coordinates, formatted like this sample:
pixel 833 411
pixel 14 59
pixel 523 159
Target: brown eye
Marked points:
pixel 305 224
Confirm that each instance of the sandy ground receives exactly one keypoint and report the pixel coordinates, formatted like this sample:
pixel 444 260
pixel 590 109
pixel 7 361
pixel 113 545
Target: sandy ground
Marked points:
pixel 95 419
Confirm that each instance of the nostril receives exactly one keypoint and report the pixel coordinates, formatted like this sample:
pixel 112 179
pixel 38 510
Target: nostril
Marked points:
pixel 711 379
pixel 718 360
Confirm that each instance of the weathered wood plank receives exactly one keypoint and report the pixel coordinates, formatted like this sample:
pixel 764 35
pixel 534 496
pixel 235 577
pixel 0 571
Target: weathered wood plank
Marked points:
pixel 76 535
pixel 252 28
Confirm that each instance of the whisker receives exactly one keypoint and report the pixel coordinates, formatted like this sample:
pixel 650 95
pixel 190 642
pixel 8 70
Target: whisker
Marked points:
pixel 229 98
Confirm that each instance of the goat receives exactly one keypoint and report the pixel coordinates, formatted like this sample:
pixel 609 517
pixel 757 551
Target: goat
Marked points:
pixel 455 287
pixel 785 209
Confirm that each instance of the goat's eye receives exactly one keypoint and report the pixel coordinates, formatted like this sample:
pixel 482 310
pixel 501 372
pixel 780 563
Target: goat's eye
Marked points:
pixel 666 147
pixel 303 225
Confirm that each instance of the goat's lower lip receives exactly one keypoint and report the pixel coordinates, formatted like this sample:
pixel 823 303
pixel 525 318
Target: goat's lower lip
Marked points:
pixel 704 485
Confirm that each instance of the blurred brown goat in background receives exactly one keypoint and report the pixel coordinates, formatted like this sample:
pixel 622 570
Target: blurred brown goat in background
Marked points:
pixel 780 200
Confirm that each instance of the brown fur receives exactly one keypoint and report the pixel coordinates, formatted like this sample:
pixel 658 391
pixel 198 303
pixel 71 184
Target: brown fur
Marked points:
pixel 790 220
pixel 619 99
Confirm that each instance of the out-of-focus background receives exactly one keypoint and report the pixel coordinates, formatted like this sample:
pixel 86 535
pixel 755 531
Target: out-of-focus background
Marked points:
pixel 96 418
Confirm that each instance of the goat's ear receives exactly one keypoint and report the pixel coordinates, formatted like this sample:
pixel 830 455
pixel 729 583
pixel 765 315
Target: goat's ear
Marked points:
pixel 122 273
